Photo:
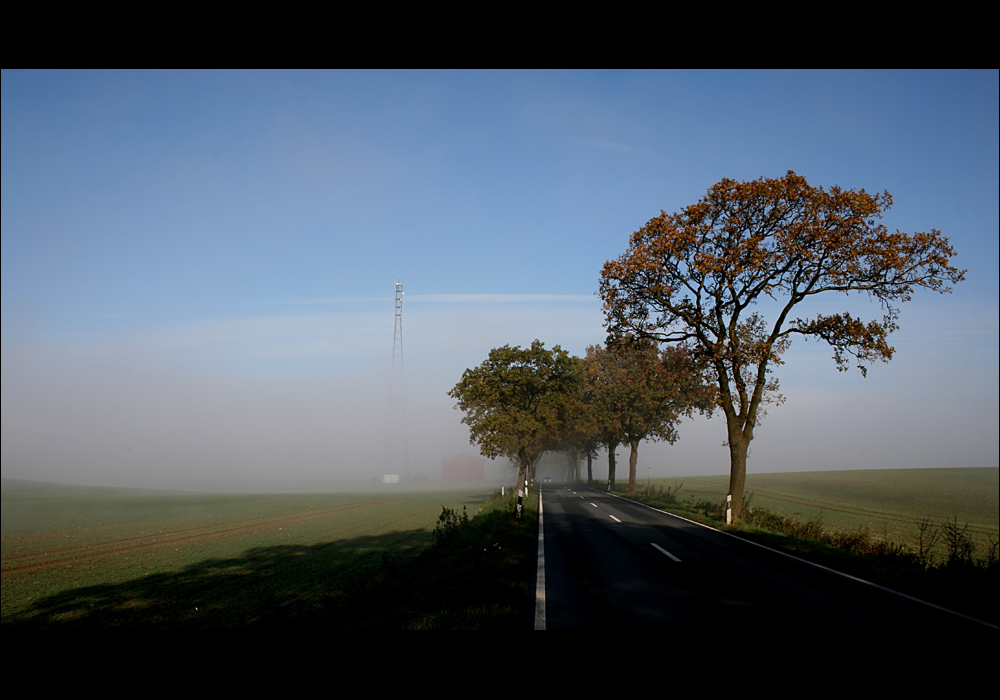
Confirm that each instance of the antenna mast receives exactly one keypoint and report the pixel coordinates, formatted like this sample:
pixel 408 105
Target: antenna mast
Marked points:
pixel 396 441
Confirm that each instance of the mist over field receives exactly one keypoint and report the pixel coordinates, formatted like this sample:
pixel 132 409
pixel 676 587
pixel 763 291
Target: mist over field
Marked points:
pixel 198 268
pixel 120 415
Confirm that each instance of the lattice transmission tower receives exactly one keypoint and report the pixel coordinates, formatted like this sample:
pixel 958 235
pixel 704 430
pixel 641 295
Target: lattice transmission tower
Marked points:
pixel 397 457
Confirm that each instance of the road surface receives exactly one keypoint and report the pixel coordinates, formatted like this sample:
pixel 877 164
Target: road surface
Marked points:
pixel 610 563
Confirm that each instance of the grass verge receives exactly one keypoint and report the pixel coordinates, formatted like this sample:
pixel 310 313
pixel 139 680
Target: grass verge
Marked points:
pixel 477 575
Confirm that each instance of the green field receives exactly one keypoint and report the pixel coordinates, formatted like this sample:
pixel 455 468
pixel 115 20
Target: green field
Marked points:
pixel 154 559
pixel 214 560
pixel 888 501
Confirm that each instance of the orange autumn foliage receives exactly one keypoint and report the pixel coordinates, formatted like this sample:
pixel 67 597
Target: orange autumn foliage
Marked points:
pixel 695 277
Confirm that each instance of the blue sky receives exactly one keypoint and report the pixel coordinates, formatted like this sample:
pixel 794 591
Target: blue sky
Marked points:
pixel 198 267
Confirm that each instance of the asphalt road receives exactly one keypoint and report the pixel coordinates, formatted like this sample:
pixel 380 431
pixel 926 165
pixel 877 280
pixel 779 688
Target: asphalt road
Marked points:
pixel 610 563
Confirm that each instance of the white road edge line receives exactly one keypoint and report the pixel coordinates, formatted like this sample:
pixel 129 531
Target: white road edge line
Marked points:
pixel 810 563
pixel 540 574
pixel 663 551
pixel 615 519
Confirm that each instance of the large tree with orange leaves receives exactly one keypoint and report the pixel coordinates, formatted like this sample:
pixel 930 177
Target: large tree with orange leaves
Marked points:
pixel 695 277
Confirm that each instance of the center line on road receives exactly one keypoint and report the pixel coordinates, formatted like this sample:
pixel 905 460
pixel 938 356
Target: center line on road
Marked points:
pixel 540 572
pixel 615 519
pixel 663 551
pixel 593 504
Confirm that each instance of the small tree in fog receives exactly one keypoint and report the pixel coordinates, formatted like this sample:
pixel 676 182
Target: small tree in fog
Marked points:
pixel 518 402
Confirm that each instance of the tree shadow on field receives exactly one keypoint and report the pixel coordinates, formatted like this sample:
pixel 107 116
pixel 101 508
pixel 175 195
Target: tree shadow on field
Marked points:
pixel 284 585
pixel 478 575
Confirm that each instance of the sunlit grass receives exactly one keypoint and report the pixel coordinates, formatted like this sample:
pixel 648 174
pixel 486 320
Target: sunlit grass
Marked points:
pixel 68 552
pixel 888 501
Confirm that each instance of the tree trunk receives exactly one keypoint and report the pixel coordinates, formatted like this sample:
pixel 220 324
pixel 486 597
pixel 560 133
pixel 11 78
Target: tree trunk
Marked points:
pixel 633 459
pixel 739 445
pixel 574 466
pixel 611 466
pixel 590 469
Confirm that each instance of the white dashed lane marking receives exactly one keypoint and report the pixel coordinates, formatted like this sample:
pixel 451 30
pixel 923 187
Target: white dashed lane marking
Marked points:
pixel 663 551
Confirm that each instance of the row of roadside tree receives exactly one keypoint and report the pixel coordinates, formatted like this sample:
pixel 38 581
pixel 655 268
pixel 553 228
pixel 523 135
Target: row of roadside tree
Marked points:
pixel 523 402
pixel 687 329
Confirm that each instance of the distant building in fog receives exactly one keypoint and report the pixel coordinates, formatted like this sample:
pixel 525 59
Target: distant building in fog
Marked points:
pixel 463 469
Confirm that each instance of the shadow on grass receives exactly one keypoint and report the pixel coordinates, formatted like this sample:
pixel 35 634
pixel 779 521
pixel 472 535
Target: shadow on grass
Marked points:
pixel 476 578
